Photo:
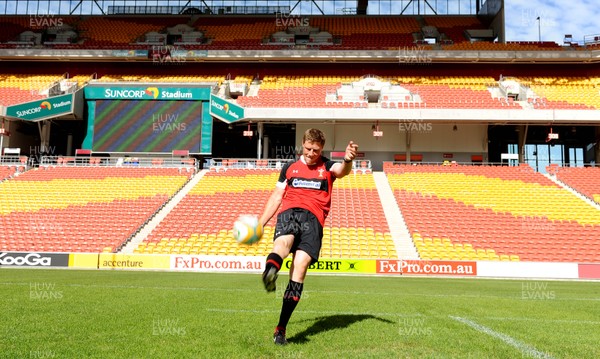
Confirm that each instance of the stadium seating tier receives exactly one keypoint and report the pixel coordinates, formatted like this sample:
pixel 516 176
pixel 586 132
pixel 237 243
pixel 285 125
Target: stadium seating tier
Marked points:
pixel 494 213
pixel 220 197
pixel 81 209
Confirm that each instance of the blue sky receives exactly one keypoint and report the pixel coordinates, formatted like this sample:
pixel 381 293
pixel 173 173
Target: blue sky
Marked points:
pixel 557 18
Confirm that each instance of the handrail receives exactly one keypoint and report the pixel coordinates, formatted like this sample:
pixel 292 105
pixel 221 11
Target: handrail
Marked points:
pixel 484 163
pixel 272 163
pixel 140 162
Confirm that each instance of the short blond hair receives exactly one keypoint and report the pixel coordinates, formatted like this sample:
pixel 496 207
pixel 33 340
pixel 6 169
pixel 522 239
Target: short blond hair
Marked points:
pixel 314 135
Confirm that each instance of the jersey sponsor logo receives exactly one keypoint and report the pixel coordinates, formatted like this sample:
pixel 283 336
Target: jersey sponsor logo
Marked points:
pixel 307 183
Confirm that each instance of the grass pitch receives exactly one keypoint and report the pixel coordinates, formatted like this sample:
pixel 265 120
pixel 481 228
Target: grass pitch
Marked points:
pixel 124 314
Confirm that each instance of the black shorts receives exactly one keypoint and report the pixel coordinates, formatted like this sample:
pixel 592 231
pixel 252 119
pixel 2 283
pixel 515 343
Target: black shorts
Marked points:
pixel 306 228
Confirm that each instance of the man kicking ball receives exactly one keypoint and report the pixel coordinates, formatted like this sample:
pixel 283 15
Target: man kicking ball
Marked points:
pixel 303 197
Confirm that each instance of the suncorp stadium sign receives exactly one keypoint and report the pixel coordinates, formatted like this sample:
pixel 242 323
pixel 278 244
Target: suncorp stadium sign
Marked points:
pixel 42 109
pixel 152 92
pixel 225 110
pixel 146 93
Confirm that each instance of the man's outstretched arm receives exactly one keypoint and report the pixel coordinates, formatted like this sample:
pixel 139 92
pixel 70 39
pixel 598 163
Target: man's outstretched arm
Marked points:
pixel 342 169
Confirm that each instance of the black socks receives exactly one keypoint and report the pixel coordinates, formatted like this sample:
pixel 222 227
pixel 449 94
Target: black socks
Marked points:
pixel 291 297
pixel 273 260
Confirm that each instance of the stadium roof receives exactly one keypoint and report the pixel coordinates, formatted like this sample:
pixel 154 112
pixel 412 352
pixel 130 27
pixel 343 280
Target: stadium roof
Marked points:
pixel 295 7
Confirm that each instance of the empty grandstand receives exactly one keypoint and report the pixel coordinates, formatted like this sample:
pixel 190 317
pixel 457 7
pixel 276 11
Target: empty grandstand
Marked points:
pixel 144 128
pixel 134 133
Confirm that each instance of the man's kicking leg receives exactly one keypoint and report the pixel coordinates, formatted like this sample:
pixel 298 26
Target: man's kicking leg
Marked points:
pixel 281 249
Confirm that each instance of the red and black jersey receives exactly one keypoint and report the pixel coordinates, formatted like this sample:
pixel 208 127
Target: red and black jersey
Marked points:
pixel 308 187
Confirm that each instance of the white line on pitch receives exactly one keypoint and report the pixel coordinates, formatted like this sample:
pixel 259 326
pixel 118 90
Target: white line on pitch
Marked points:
pixel 523 347
pixel 569 321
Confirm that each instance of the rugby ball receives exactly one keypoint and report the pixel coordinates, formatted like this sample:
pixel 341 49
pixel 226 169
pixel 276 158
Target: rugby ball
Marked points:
pixel 247 229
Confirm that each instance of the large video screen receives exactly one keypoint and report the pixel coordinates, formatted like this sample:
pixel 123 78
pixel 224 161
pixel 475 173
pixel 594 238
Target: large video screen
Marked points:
pixel 147 126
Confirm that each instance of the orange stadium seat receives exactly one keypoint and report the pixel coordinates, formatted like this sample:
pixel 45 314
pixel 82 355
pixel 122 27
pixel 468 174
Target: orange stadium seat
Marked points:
pixel 18 88
pixel 454 26
pixel 41 211
pixel 7 171
pixel 121 32
pixel 22 88
pixel 469 92
pixel 251 32
pixel 473 92
pixel 215 204
pixel 202 222
pixel 585 180
pixel 519 215
pixel 161 77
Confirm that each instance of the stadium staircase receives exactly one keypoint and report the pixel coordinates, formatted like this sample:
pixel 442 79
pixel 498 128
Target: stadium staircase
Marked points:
pixel 398 229
pixel 585 180
pixel 221 91
pixel 253 89
pixel 155 221
pixel 201 222
pixel 579 195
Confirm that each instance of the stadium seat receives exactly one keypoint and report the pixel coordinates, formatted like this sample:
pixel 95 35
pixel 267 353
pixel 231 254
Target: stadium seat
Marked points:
pixel 492 222
pixel 106 210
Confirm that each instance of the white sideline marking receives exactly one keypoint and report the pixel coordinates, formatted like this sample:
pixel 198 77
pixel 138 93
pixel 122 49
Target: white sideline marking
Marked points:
pixel 569 321
pixel 523 347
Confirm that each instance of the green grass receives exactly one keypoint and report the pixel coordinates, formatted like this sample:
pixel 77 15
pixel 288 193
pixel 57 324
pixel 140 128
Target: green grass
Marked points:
pixel 124 314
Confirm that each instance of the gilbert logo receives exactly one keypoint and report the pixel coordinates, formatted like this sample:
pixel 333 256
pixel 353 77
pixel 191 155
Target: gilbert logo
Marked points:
pixel 46 105
pixel 29 259
pixel 152 91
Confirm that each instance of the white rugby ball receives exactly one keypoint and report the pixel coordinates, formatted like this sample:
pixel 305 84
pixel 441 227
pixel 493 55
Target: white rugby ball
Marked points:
pixel 247 229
